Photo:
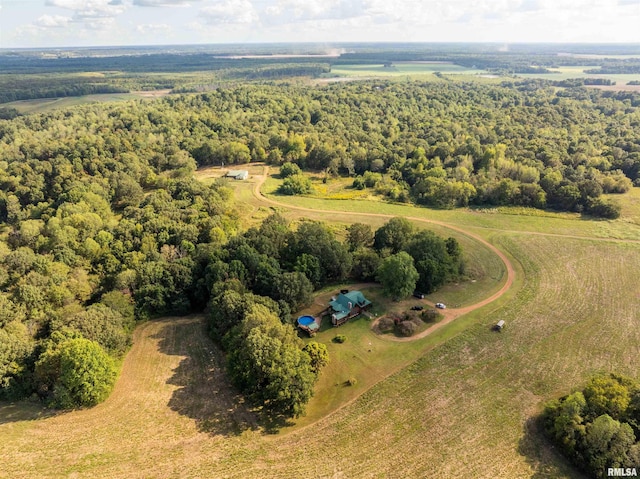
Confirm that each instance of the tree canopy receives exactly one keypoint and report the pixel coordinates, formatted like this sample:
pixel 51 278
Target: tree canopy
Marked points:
pixel 597 428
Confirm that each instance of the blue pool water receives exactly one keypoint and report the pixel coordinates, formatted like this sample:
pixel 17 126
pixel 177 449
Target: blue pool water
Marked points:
pixel 305 320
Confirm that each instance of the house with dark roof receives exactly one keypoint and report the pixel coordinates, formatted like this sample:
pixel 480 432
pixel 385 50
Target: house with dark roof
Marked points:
pixel 346 306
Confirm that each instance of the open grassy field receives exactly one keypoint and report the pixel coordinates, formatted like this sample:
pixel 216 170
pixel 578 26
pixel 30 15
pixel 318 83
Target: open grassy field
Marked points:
pixel 564 73
pixel 399 69
pixel 461 407
pixel 42 105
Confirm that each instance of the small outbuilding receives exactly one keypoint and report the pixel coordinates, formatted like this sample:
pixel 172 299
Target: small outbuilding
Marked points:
pixel 237 174
pixel 499 325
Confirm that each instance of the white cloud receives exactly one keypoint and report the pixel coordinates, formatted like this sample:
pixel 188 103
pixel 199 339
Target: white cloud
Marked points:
pixel 153 28
pixel 230 12
pixel 162 3
pixel 91 8
pixel 99 23
pixel 52 21
pixel 319 9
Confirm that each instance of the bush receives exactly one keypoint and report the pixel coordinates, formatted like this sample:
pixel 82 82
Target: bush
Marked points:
pixel 295 185
pixel 351 382
pixel 430 316
pixel 358 183
pixel 386 324
pixel 340 338
pixel 371 179
pixel 289 169
pixel 407 328
pixel 603 208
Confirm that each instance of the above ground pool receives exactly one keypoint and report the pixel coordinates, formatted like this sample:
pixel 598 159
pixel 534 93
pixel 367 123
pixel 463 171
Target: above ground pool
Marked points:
pixel 306 320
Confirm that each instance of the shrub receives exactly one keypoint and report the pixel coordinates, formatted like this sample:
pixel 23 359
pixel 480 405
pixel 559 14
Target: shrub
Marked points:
pixel 340 338
pixel 358 183
pixel 604 208
pixel 371 179
pixel 386 324
pixel 295 185
pixel 351 382
pixel 407 328
pixel 430 316
pixel 289 169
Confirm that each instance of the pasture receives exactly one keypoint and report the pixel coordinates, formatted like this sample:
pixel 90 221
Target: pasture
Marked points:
pixel 42 105
pixel 564 73
pixel 458 403
pixel 400 69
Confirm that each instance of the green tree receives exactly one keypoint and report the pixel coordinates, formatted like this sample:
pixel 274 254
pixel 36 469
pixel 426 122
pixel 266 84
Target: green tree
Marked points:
pixel 295 185
pixel 295 289
pixel 289 169
pixel 608 395
pixel 103 325
pixel 318 354
pixel 267 363
pixel 359 235
pixel 398 275
pixel 365 264
pixel 394 235
pixel 75 373
pixel 607 444
pixel 434 263
pixel 564 422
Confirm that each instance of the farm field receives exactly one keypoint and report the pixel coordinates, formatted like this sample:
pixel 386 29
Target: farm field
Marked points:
pixel 402 69
pixel 564 73
pixel 461 407
pixel 43 105
pixel 495 219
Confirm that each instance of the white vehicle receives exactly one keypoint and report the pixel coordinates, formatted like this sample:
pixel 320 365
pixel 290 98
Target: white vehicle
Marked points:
pixel 441 306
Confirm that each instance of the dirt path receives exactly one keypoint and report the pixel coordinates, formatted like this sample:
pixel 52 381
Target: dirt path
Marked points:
pixel 449 314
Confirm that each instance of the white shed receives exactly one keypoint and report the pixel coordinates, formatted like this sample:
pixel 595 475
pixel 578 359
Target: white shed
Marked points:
pixel 238 174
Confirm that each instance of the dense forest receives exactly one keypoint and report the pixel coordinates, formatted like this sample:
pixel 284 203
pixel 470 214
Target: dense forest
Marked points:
pixel 439 144
pixel 597 428
pixel 103 226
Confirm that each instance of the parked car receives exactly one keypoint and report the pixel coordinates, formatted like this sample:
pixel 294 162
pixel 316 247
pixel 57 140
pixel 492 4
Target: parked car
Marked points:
pixel 441 306
pixel 418 294
pixel 417 308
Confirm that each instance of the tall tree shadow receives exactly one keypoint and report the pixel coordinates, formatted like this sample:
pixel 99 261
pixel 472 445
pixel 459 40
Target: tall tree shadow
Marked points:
pixel 542 456
pixel 25 410
pixel 204 393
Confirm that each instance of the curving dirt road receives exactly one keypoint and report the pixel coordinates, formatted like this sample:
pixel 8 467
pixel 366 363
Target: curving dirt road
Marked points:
pixel 449 314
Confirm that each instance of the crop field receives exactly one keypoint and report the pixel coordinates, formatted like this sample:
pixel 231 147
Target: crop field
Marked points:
pixel 564 73
pixel 457 403
pixel 401 69
pixel 42 105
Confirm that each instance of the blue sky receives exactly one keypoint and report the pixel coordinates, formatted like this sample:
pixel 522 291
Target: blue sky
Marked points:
pixel 54 23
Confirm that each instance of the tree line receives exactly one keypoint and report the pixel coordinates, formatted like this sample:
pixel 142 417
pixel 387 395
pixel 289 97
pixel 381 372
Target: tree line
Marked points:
pixel 597 427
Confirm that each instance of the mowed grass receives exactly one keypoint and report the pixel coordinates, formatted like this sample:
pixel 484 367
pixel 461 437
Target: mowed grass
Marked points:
pixel 494 219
